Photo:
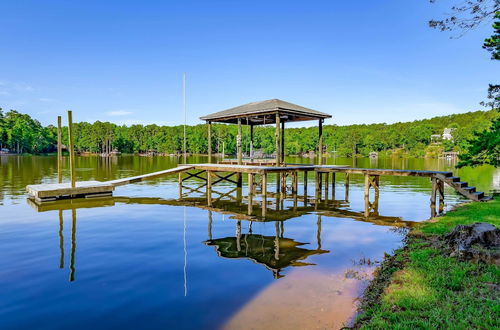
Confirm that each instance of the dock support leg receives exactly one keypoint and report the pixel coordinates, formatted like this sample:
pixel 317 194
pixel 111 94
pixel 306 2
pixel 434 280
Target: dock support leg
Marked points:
pixel 180 185
pixel 441 195
pixel 327 193
pixel 209 188
pixel 71 149
pixel 305 183
pixel 264 194
pixel 333 185
pixel 367 186
pixel 433 196
pixel 59 150
pixel 278 182
pixel 294 182
pixel 239 180
pixel 346 183
pixel 318 191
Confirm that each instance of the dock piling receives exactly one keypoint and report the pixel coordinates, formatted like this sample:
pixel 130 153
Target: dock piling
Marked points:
pixel 71 149
pixel 59 150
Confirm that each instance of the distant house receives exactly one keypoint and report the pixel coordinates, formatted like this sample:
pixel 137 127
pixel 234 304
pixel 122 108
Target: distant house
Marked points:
pixel 4 151
pixel 447 134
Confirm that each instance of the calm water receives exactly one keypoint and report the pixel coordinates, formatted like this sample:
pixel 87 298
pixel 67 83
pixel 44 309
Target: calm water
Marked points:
pixel 147 259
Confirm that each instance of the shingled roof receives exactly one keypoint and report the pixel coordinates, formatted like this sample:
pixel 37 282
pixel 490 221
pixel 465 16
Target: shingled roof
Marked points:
pixel 263 112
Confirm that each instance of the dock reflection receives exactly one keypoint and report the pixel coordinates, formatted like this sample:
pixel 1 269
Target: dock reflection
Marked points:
pixel 274 252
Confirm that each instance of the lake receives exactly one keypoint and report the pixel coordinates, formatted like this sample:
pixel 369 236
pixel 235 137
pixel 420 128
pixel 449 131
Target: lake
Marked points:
pixel 147 259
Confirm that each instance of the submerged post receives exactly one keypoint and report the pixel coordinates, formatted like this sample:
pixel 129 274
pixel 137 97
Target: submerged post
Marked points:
pixel 71 149
pixel 209 126
pixel 59 150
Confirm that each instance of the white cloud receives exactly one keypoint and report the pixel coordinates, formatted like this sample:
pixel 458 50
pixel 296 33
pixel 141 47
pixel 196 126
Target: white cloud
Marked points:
pixel 118 113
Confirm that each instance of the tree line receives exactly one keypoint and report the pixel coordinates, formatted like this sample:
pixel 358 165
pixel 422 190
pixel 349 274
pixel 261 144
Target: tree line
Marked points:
pixel 22 134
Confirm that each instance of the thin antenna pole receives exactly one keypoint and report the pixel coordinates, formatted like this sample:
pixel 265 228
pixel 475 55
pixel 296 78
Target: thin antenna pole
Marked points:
pixel 185 114
pixel 185 256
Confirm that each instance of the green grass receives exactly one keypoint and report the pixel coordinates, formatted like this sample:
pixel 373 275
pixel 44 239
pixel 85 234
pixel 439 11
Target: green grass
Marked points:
pixel 429 290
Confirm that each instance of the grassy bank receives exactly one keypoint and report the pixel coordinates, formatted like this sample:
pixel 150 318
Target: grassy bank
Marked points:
pixel 421 287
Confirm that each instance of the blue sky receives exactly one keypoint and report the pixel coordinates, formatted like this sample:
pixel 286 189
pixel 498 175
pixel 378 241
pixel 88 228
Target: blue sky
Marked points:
pixel 122 61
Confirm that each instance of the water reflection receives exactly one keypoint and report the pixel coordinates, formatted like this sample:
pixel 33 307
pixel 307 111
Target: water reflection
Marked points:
pixel 273 252
pixel 72 269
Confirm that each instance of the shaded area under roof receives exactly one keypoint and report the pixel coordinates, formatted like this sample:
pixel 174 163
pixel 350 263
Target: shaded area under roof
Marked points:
pixel 264 112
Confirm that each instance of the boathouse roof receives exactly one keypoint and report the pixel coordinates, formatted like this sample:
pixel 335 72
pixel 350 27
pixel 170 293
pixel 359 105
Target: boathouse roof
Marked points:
pixel 263 112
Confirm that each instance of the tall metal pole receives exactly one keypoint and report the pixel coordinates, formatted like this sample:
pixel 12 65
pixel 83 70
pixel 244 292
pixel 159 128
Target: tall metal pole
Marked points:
pixel 71 149
pixel 185 114
pixel 59 150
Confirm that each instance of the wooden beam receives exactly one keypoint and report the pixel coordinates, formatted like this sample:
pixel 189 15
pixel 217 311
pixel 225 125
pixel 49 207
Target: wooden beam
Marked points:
pixel 71 149
pixel 59 150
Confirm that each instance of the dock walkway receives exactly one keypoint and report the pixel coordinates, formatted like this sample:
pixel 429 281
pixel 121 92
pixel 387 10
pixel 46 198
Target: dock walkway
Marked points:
pixel 211 174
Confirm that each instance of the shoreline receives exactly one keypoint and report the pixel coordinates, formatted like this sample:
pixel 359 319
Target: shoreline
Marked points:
pixel 421 285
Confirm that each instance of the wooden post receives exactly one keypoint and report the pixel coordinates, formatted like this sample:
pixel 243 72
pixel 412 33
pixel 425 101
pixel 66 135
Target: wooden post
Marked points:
pixel 240 153
pixel 209 127
pixel 294 182
pixel 283 142
pixel 209 188
pixel 441 195
pixel 71 149
pixel 264 194
pixel 238 143
pixel 278 140
pixel 367 186
pixel 327 176
pixel 180 185
pixel 305 183
pixel 251 183
pixel 346 183
pixel 320 142
pixel 433 196
pixel 251 141
pixel 59 150
pixel 333 185
pixel 318 189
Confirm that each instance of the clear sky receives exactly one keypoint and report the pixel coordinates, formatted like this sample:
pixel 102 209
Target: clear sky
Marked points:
pixel 122 61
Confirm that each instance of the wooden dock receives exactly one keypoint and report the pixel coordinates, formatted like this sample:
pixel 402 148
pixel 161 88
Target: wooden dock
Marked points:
pixel 212 174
